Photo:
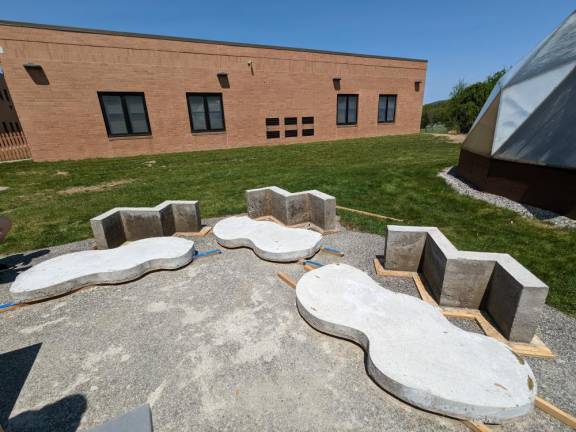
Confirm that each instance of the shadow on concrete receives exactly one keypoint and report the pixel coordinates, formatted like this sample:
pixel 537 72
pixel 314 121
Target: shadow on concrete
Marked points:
pixel 63 415
pixel 18 263
pixel 15 367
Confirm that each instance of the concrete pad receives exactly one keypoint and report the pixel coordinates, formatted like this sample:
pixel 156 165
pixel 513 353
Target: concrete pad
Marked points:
pixel 137 420
pixel 268 240
pixel 414 352
pixel 121 224
pixel 76 270
pixel 295 208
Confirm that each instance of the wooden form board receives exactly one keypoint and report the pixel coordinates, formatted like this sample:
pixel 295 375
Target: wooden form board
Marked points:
pixel 365 213
pixel 536 348
pixel 204 231
pixel 288 280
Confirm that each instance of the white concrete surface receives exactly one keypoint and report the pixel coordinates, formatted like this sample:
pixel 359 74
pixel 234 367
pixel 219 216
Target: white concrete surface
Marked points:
pixel 414 352
pixel 75 270
pixel 268 240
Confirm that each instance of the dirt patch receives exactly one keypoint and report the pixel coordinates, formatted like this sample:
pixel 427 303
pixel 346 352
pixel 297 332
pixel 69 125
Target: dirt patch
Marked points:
pixel 94 188
pixel 455 138
pixel 62 173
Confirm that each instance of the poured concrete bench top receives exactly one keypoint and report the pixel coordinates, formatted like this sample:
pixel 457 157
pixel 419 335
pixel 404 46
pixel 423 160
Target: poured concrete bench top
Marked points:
pixel 268 240
pixel 414 352
pixel 75 270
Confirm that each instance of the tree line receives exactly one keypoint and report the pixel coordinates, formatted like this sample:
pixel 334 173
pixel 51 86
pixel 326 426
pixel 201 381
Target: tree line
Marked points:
pixel 461 109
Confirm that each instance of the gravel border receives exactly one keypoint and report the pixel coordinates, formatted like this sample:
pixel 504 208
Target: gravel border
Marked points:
pixel 464 187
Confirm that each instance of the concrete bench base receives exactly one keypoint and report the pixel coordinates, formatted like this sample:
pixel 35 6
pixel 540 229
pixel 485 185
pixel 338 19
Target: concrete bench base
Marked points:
pixel 494 282
pixel 121 224
pixel 312 206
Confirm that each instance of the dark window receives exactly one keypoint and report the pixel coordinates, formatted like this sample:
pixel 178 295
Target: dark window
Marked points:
pixel 347 110
pixel 7 95
pixel 386 108
pixel 12 127
pixel 206 112
pixel 307 120
pixel 291 133
pixel 272 134
pixel 1 97
pixel 5 127
pixel 290 120
pixel 272 121
pixel 307 132
pixel 125 114
pixel 18 127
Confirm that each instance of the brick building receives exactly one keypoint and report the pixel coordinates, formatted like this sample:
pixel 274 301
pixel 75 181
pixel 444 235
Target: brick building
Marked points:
pixel 88 93
pixel 12 141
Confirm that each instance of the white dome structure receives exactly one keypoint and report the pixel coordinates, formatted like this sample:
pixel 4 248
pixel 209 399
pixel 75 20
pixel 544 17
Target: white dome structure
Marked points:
pixel 523 143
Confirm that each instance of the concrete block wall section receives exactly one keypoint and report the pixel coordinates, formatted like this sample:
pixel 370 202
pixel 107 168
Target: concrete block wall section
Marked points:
pixel 289 208
pixel 494 282
pixel 121 224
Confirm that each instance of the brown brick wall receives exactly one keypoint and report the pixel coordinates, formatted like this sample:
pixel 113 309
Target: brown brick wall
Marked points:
pixel 63 119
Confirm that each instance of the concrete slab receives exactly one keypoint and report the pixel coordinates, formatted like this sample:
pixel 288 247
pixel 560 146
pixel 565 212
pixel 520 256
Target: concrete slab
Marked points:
pixel 268 240
pixel 76 270
pixel 414 352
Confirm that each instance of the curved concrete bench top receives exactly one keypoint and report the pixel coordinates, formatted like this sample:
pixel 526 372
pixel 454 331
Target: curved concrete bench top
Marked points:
pixel 414 352
pixel 69 272
pixel 268 240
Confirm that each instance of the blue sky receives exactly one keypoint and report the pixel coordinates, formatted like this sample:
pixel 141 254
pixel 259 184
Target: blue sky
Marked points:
pixel 464 39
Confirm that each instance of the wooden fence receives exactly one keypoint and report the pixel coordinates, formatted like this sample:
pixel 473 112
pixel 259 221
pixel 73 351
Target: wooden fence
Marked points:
pixel 13 146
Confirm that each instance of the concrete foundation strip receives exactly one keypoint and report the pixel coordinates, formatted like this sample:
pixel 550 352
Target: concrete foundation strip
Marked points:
pixel 536 348
pixel 365 213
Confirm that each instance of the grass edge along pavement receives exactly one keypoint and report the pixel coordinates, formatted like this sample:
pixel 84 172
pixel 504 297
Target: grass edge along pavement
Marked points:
pixel 52 203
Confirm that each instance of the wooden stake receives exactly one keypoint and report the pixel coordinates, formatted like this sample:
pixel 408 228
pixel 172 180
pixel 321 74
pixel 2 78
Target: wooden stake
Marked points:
pixel 203 232
pixel 476 426
pixel 422 290
pixel 332 251
pixel 555 412
pixel 381 271
pixel 365 213
pixel 287 279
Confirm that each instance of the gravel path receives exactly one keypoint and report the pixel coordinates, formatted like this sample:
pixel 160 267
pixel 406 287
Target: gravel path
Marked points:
pixel 465 188
pixel 219 345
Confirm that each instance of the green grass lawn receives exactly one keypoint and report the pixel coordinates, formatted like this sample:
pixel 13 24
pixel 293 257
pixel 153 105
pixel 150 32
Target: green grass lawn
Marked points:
pixel 395 176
